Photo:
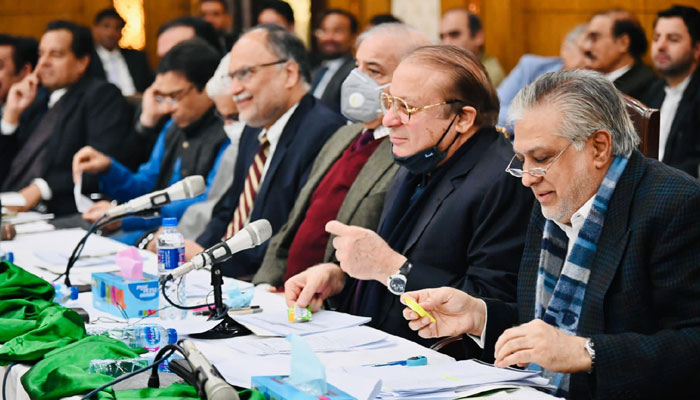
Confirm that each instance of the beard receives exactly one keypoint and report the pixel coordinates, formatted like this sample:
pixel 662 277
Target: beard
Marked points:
pixel 572 200
pixel 677 68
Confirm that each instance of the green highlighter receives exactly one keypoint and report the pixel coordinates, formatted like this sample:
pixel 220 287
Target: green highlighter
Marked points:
pixel 417 308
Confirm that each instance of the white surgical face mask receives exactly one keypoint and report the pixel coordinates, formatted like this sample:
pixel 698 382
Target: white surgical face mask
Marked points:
pixel 359 97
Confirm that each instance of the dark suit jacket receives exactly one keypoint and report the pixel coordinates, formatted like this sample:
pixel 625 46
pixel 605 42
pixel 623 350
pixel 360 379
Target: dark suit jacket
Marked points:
pixel 362 205
pixel 307 130
pixel 636 82
pixel 95 114
pixel 136 61
pixel 642 303
pixel 470 233
pixel 331 95
pixel 683 144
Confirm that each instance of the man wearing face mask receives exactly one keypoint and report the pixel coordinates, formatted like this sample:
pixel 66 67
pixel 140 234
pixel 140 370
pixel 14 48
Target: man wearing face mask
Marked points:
pixel 450 217
pixel 354 169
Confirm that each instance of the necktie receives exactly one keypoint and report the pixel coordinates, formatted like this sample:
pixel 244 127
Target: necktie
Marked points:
pixel 250 189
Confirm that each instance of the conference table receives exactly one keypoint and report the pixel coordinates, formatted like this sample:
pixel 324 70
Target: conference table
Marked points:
pixel 37 253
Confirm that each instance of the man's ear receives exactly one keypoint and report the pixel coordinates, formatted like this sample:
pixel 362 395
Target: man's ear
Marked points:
pixel 83 63
pixel 624 42
pixel 602 148
pixel 466 119
pixel 479 39
pixel 293 74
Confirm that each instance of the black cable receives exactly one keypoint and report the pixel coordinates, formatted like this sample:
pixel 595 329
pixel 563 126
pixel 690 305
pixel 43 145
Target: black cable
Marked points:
pixel 79 249
pixel 155 363
pixel 154 380
pixel 4 380
pixel 165 296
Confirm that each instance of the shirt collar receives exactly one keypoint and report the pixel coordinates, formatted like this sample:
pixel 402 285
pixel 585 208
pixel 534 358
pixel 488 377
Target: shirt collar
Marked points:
pixel 56 95
pixel 275 131
pixel 618 73
pixel 679 89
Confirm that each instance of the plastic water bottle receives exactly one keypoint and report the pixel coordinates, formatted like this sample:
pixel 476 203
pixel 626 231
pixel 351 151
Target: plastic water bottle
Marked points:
pixel 117 368
pixel 149 336
pixel 64 293
pixel 171 254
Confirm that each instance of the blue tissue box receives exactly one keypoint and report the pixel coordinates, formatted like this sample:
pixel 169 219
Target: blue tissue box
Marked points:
pixel 277 388
pixel 124 297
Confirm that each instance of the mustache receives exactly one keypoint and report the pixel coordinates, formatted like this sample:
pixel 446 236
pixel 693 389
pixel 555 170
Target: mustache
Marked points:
pixel 589 55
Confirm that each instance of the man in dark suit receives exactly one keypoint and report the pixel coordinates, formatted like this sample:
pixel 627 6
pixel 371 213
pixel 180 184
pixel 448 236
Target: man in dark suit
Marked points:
pixel 614 45
pixel 126 68
pixel 334 38
pixel 353 171
pixel 73 111
pixel 216 13
pixel 675 52
pixel 451 216
pixel 611 267
pixel 286 127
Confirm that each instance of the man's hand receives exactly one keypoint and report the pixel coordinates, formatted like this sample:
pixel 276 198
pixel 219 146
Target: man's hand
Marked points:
pixel 151 110
pixel 313 286
pixel 32 197
pixel 19 97
pixel 541 343
pixel 152 245
pixel 192 248
pixel 362 253
pixel 88 159
pixel 455 313
pixel 98 210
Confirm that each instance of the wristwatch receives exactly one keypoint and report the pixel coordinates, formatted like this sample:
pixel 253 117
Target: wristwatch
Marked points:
pixel 590 348
pixel 397 282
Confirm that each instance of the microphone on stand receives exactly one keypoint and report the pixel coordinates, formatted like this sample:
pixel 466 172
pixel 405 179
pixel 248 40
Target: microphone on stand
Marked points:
pixel 190 187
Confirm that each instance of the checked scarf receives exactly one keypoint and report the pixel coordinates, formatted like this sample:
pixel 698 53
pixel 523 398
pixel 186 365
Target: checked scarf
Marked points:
pixel 561 284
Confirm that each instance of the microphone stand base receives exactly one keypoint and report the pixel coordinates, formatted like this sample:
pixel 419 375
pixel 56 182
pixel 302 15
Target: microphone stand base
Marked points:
pixel 227 328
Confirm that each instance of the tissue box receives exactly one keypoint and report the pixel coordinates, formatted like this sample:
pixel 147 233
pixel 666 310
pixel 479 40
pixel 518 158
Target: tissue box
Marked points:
pixel 277 388
pixel 124 297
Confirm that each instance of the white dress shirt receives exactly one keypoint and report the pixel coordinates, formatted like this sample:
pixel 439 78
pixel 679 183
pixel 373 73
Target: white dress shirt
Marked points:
pixel 668 112
pixel 613 76
pixel 116 69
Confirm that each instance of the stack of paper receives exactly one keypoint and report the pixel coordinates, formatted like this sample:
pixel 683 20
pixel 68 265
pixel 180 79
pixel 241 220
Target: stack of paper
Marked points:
pixel 446 380
pixel 350 339
pixel 276 321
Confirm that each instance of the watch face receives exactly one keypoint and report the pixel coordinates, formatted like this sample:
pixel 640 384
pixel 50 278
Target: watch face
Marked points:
pixel 397 284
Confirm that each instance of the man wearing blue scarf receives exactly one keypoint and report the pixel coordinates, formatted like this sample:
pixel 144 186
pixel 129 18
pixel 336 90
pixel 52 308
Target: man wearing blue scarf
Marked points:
pixel 611 267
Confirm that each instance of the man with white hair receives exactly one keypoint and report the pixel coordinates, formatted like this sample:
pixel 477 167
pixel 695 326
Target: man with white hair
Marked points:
pixel 353 171
pixel 609 284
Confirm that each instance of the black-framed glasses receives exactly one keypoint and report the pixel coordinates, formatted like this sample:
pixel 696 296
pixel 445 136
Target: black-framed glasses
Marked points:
pixel 244 74
pixel 402 110
pixel 172 99
pixel 536 172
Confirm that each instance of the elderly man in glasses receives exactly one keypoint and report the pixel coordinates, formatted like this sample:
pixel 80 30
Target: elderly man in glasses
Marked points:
pixel 191 143
pixel 609 285
pixel 451 216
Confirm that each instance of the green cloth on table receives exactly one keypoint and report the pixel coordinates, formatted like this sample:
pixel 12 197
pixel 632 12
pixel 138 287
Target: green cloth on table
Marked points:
pixel 16 283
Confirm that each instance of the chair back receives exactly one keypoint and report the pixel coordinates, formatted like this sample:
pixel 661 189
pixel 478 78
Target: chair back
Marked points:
pixel 646 123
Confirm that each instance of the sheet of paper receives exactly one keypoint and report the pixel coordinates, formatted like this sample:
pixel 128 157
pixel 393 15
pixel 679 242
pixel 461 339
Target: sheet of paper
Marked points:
pixel 276 321
pixel 27 218
pixel 12 199
pixel 34 227
pixel 82 202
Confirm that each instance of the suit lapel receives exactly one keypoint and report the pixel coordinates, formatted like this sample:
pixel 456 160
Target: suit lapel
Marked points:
pixel 684 108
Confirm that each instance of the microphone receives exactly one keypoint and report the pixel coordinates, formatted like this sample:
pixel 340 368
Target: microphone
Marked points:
pixel 206 376
pixel 190 187
pixel 251 235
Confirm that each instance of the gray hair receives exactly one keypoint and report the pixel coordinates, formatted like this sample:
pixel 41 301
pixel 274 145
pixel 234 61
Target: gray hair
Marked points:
pixel 287 46
pixel 573 34
pixel 405 38
pixel 588 101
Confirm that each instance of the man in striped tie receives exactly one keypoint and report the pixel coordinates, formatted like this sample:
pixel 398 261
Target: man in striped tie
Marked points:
pixel 285 129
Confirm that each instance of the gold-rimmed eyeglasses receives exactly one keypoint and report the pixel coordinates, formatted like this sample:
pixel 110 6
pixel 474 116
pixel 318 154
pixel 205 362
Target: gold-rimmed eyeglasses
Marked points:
pixel 244 74
pixel 536 172
pixel 402 110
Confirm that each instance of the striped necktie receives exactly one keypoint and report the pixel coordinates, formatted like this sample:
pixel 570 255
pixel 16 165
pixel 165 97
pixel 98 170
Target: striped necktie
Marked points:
pixel 250 189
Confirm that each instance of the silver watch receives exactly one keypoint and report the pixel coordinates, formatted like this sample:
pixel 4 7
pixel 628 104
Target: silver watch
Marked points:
pixel 397 282
pixel 590 348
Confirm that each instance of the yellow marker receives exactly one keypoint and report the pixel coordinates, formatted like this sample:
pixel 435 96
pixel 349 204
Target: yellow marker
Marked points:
pixel 417 308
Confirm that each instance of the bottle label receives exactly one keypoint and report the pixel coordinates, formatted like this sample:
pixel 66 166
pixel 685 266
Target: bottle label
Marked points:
pixel 171 258
pixel 152 338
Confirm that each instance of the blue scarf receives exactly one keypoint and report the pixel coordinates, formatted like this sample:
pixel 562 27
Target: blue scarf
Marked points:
pixel 561 284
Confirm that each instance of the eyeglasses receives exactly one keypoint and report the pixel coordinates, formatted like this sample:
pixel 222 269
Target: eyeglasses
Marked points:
pixel 172 99
pixel 536 172
pixel 244 74
pixel 402 110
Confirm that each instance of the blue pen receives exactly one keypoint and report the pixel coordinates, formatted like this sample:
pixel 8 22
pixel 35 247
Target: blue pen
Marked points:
pixel 409 362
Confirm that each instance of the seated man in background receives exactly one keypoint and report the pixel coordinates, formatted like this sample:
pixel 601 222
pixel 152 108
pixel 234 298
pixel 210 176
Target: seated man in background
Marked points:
pixel 216 13
pixel 128 69
pixel 451 216
pixel 191 144
pixel 276 12
pixel 74 111
pixel 611 268
pixel 531 66
pixel 353 171
pixel 18 56
pixel 286 128
pixel 675 51
pixel 614 45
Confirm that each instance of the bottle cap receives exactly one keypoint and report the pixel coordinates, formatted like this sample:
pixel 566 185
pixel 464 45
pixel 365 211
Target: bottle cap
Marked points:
pixel 74 293
pixel 172 336
pixel 169 222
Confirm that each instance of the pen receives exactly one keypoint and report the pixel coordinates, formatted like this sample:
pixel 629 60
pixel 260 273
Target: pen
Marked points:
pixel 409 362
